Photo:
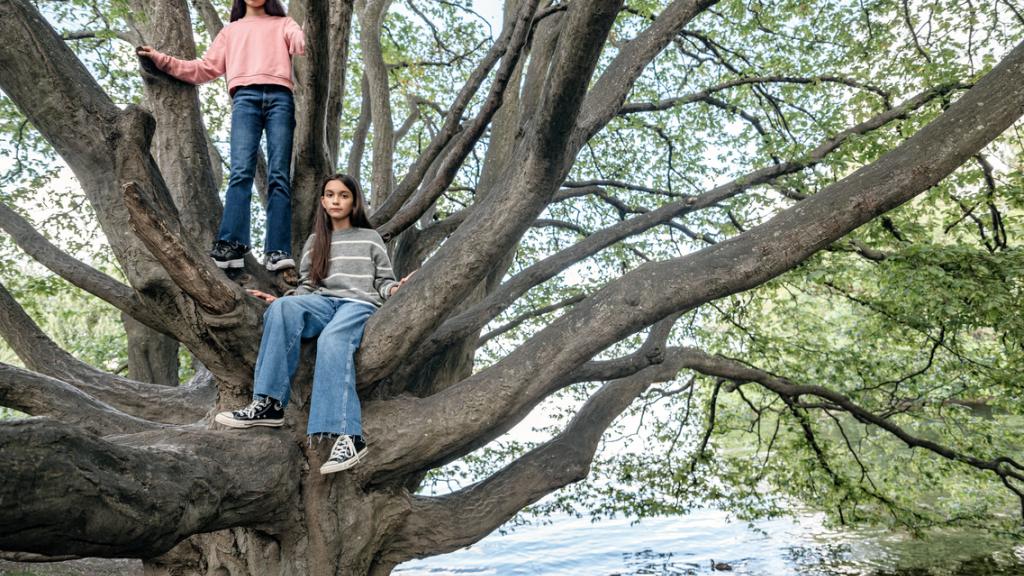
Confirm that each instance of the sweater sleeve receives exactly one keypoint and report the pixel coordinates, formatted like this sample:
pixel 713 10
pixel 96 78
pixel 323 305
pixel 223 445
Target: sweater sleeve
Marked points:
pixel 210 66
pixel 294 37
pixel 304 286
pixel 384 277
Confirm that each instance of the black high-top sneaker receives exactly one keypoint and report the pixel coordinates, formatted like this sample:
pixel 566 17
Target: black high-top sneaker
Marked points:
pixel 263 411
pixel 228 254
pixel 278 260
pixel 347 452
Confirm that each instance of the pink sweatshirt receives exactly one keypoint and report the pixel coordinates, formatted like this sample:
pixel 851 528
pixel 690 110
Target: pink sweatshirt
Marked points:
pixel 251 50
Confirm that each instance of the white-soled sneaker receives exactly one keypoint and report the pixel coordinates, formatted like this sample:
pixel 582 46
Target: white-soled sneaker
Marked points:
pixel 346 453
pixel 262 411
pixel 278 260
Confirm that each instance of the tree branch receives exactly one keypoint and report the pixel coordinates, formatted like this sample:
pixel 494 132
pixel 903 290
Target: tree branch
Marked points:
pixel 669 103
pixel 341 30
pixel 705 363
pixel 609 92
pixel 504 214
pixel 508 47
pixel 74 271
pixel 136 496
pixel 316 78
pixel 177 404
pixel 370 18
pixel 446 523
pixel 655 290
pixel 39 395
pixel 464 323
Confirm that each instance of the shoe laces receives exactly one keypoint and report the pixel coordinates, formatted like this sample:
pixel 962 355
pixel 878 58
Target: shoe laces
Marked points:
pixel 255 406
pixel 343 449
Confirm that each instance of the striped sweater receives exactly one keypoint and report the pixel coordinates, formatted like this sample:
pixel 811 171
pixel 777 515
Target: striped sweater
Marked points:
pixel 359 268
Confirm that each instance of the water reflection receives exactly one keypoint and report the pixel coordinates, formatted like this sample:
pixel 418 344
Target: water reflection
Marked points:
pixel 688 546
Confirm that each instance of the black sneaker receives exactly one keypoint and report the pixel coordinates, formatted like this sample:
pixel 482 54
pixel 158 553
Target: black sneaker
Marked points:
pixel 347 452
pixel 263 411
pixel 278 260
pixel 228 254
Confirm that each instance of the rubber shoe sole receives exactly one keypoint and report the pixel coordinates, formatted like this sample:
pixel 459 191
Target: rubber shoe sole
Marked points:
pixel 281 264
pixel 225 264
pixel 227 419
pixel 332 467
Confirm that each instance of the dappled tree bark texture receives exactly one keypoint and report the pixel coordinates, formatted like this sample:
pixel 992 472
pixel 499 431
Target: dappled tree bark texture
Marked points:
pixel 117 466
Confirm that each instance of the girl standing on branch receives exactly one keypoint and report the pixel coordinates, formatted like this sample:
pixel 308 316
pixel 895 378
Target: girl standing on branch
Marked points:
pixel 254 50
pixel 345 276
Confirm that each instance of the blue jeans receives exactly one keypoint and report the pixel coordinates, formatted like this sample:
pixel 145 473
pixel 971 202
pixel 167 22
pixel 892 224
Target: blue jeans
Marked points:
pixel 334 408
pixel 253 109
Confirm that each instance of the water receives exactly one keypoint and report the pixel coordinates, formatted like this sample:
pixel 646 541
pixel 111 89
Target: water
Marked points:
pixel 687 545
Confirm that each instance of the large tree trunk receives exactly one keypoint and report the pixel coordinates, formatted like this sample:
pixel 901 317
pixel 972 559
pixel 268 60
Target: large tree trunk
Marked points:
pixel 152 356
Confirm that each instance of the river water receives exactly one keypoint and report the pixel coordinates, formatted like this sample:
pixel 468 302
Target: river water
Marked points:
pixel 686 545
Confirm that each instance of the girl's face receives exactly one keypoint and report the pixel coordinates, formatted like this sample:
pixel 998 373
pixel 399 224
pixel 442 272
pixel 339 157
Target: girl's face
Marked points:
pixel 338 201
pixel 255 4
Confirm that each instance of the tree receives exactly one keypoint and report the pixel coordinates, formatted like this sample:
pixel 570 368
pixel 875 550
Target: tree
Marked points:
pixel 111 466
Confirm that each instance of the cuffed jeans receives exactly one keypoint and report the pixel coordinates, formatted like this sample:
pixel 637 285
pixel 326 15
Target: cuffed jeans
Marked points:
pixel 253 109
pixel 334 408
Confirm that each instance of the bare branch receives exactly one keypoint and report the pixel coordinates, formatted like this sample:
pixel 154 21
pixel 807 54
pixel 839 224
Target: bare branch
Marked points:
pixel 371 16
pixel 190 271
pixel 180 143
pixel 518 320
pixel 705 363
pixel 316 78
pixel 668 103
pixel 341 30
pixel 355 153
pixel 128 36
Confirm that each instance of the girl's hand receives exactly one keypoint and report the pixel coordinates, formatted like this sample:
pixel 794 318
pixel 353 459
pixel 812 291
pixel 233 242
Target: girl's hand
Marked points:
pixel 393 289
pixel 147 51
pixel 268 298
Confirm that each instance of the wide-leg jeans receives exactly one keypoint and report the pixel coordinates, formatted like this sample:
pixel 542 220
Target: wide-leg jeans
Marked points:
pixel 339 323
pixel 253 109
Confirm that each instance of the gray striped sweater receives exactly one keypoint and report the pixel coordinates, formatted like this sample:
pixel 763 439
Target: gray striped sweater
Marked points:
pixel 359 268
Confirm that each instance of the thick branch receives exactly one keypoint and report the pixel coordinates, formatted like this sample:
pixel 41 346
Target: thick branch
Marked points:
pixel 180 143
pixel 177 404
pixel 136 496
pixel 315 80
pixel 655 290
pixel 39 395
pixel 504 215
pixel 370 19
pixel 466 322
pixel 341 30
pixel 73 270
pixel 443 524
pixel 508 46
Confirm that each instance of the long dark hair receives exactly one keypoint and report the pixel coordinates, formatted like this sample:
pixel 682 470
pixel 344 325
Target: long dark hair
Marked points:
pixel 272 8
pixel 320 252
